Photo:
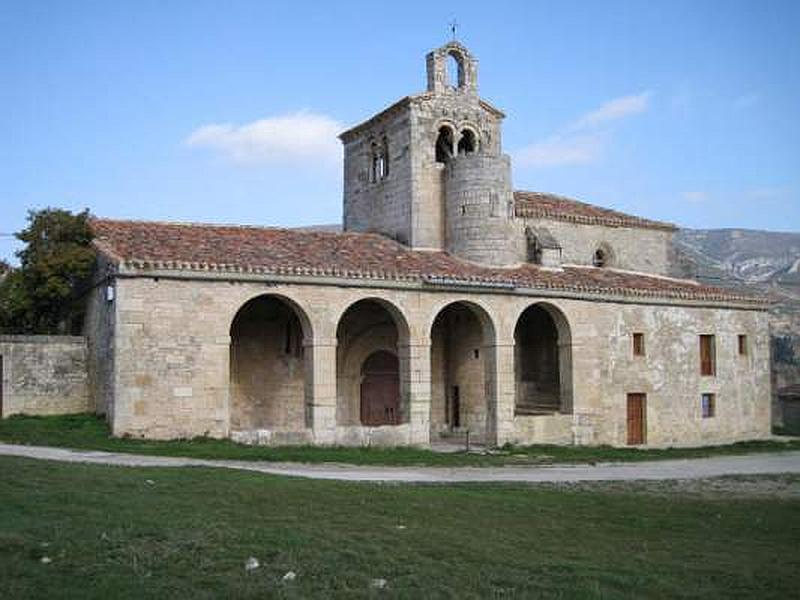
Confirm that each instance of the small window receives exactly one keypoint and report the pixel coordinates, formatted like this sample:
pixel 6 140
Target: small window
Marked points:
pixel 742 345
pixel 379 162
pixel 708 405
pixel 708 356
pixel 638 344
pixel 600 258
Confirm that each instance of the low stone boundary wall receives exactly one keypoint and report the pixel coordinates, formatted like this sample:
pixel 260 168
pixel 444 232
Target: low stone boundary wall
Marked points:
pixel 43 375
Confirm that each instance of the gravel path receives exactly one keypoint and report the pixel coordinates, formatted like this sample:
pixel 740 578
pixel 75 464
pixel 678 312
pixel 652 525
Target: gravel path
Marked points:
pixel 753 464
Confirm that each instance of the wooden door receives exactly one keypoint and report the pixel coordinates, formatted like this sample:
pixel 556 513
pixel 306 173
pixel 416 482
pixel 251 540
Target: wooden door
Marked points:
pixel 637 406
pixel 380 390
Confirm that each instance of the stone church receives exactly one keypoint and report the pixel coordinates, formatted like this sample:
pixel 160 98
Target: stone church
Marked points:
pixel 450 303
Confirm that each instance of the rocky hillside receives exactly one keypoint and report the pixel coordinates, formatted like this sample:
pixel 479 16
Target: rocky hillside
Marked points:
pixel 763 260
pixel 743 255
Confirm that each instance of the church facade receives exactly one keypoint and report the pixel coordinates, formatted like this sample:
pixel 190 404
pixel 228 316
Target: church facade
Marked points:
pixel 450 303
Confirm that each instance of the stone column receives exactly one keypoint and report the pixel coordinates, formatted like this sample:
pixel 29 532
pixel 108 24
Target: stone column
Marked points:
pixel 500 392
pixel 321 390
pixel 415 385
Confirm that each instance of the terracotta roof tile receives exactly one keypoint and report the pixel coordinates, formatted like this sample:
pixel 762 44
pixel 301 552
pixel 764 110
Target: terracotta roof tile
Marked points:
pixel 154 245
pixel 551 206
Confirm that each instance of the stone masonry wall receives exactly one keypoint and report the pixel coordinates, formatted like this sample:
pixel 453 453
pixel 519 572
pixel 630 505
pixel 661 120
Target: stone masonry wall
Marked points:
pixel 172 364
pixel 382 205
pixel 43 375
pixel 633 249
pixel 479 210
pixel 99 328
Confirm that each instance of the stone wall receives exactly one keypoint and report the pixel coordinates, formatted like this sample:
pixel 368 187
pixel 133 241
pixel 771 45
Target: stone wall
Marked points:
pixel 632 248
pixel 479 210
pixel 99 328
pixel 374 204
pixel 43 375
pixel 173 348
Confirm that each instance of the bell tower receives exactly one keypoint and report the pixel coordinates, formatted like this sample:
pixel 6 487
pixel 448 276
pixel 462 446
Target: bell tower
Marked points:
pixel 429 169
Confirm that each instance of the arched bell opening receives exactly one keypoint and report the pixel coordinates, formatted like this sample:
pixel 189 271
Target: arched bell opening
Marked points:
pixel 445 145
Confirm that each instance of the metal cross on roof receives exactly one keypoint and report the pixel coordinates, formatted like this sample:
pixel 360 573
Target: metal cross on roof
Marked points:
pixel 453 28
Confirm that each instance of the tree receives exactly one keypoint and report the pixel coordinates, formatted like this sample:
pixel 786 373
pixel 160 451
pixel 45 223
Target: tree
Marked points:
pixel 41 296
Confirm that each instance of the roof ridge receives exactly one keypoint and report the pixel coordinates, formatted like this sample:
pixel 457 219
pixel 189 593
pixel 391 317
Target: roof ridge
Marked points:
pixel 602 214
pixel 299 230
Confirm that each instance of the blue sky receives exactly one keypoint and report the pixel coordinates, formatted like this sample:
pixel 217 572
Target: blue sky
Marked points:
pixel 227 111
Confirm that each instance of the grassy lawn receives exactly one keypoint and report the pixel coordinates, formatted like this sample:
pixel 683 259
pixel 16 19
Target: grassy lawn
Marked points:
pixel 88 432
pixel 114 532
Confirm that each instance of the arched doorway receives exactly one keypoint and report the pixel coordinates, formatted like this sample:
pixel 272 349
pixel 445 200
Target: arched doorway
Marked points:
pixel 543 361
pixel 380 389
pixel 369 373
pixel 268 366
pixel 462 358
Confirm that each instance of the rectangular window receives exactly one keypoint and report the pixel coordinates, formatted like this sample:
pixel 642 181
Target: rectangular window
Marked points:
pixel 708 355
pixel 742 345
pixel 707 405
pixel 638 344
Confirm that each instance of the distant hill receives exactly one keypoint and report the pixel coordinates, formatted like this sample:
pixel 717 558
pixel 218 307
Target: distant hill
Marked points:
pixel 743 255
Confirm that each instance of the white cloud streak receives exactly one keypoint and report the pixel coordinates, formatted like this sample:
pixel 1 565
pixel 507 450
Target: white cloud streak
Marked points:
pixel 696 197
pixel 584 140
pixel 281 140
pixel 614 110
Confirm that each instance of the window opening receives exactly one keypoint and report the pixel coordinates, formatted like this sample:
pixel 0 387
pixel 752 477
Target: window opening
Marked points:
pixel 444 145
pixel 467 143
pixel 600 259
pixel 707 405
pixel 742 345
pixel 638 344
pixel 707 355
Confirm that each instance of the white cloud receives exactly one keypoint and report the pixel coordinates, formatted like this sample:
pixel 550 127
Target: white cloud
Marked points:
pixel 614 110
pixel 584 140
pixel 562 150
pixel 285 139
pixel 696 196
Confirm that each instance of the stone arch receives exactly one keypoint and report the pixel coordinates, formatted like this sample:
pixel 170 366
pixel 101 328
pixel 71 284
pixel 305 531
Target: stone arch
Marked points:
pixel 367 326
pixel 542 361
pixel 455 69
pixel 463 338
pixel 445 143
pixel 468 142
pixel 268 365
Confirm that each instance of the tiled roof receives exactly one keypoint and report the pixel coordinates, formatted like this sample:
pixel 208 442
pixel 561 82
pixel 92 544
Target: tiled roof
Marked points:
pixel 551 206
pixel 141 245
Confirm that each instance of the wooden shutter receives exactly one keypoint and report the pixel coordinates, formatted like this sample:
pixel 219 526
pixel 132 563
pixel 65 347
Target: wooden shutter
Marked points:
pixel 707 355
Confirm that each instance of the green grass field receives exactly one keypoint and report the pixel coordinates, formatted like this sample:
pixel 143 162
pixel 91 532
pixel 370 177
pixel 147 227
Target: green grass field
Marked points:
pixel 115 532
pixel 87 432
